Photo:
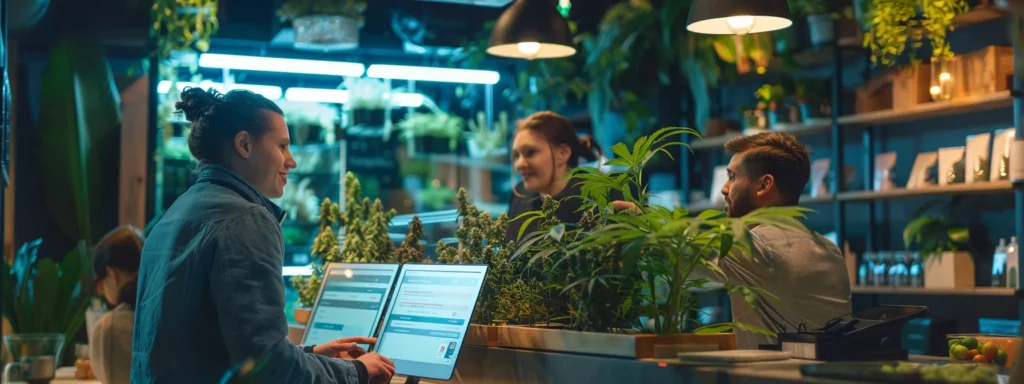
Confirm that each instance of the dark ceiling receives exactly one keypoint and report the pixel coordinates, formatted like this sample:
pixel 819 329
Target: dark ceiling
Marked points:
pixel 251 26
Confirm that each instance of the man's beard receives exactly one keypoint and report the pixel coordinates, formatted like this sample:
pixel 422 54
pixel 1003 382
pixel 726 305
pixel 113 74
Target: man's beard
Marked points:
pixel 741 206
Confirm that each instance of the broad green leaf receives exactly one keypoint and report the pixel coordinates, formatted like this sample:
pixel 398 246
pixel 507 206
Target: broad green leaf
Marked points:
pixel 78 134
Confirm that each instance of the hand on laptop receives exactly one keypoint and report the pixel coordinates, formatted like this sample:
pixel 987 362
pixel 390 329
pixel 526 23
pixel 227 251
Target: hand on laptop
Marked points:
pixel 379 368
pixel 344 348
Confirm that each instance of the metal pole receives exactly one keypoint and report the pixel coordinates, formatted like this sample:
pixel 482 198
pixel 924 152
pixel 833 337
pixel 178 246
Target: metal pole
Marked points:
pixel 1018 122
pixel 838 207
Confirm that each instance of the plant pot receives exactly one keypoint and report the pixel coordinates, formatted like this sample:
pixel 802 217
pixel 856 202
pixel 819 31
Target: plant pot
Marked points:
pixel 326 33
pixel 821 29
pixel 302 315
pixel 479 153
pixel 368 117
pixel 949 270
pixel 631 346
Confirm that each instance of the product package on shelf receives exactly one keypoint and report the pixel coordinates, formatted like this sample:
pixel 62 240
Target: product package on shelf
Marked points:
pixel 977 158
pixel 919 174
pixel 1000 159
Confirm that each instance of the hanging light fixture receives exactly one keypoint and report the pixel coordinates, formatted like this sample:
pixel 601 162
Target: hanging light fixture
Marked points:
pixel 531 29
pixel 738 17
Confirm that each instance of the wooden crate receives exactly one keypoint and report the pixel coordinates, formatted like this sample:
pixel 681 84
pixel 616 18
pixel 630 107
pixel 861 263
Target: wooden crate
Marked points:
pixel 910 87
pixel 636 346
pixel 984 71
pixel 875 95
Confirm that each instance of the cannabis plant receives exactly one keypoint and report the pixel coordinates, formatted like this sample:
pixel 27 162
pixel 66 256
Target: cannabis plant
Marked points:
pixel 641 262
pixel 481 241
pixel 410 251
pixel 325 251
pixel 366 238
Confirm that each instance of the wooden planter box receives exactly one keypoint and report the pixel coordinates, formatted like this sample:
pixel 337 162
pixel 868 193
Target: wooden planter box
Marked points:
pixel 949 270
pixel 637 346
pixel 875 95
pixel 910 87
pixel 984 71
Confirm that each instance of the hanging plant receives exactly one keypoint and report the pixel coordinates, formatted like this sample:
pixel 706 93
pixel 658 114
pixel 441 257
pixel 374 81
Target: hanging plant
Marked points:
pixel 894 22
pixel 292 9
pixel 183 25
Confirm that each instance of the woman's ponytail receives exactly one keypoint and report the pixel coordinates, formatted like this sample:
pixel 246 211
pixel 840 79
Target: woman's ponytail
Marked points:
pixel 589 149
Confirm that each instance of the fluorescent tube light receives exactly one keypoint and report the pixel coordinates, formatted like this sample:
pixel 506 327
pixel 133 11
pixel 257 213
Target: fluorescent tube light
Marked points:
pixel 445 75
pixel 268 91
pixel 276 64
pixel 297 271
pixel 340 96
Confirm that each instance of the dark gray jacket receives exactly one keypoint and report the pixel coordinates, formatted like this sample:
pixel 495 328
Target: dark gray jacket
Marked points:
pixel 211 293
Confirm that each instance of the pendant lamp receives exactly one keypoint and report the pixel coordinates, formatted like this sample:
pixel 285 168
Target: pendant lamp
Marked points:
pixel 738 17
pixel 531 29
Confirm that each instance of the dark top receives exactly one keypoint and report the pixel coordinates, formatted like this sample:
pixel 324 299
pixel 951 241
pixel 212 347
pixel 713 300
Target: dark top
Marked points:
pixel 531 201
pixel 211 293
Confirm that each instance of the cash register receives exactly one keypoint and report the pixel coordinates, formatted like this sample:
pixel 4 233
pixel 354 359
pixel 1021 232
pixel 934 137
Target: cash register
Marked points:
pixel 870 335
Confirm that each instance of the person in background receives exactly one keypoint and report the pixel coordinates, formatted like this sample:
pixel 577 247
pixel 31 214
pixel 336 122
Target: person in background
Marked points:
pixel 545 149
pixel 803 269
pixel 115 267
pixel 211 292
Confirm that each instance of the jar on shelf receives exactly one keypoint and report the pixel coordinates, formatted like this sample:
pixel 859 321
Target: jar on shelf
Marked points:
pixel 916 270
pixel 943 78
pixel 898 275
pixel 882 269
pixel 867 278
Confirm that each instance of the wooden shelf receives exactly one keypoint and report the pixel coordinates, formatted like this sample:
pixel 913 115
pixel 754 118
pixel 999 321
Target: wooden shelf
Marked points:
pixel 932 110
pixel 955 189
pixel 799 129
pixel 979 14
pixel 977 291
pixel 465 161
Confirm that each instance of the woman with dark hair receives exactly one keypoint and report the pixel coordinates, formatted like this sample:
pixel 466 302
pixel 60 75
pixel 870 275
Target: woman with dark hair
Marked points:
pixel 211 292
pixel 115 267
pixel 544 150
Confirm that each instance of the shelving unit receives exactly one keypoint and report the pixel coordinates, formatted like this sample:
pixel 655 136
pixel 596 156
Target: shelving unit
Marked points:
pixel 954 189
pixel 977 291
pixel 869 130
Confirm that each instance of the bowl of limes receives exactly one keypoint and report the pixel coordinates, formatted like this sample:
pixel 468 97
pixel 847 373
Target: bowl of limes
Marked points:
pixel 986 349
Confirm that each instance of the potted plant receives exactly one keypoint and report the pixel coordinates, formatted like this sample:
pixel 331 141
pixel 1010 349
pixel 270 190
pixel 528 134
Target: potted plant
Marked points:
pixel 432 132
pixel 486 143
pixel 894 22
pixel 310 123
pixel 943 243
pixel 820 23
pixel 367 102
pixel 811 100
pixel 43 296
pixel 619 280
pixel 769 98
pixel 324 25
pixel 181 30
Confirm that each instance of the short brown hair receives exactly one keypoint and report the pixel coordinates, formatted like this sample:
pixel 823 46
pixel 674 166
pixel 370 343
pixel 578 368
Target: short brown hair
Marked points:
pixel 778 154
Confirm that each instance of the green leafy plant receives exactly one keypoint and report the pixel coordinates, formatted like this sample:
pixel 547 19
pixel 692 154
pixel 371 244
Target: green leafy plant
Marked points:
pixel 78 136
pixel 411 251
pixel 291 9
pixel 769 96
pixel 366 93
pixel 938 20
pixel 434 124
pixel 481 241
pixel 808 7
pixel 366 238
pixel 894 22
pixel 183 25
pixel 934 233
pixel 642 252
pixel 486 140
pixel 44 296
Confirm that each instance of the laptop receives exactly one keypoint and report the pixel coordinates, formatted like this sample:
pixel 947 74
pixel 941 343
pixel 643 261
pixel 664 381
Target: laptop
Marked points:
pixel 427 319
pixel 351 300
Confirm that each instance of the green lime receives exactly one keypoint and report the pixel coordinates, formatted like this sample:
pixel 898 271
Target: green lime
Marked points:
pixel 969 342
pixel 1001 358
pixel 952 342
